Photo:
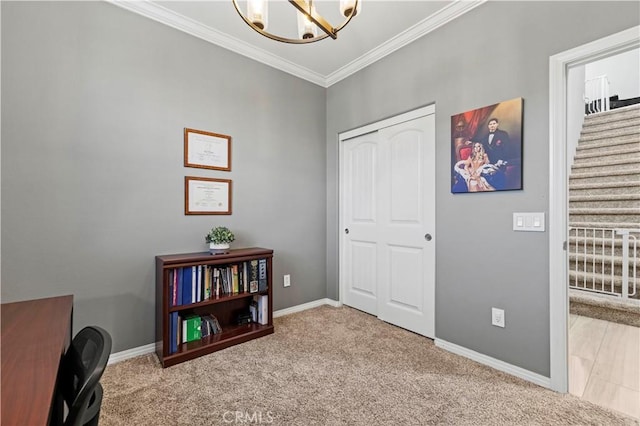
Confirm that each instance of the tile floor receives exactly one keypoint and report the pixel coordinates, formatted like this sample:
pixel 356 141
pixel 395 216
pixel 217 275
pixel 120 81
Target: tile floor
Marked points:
pixel 604 363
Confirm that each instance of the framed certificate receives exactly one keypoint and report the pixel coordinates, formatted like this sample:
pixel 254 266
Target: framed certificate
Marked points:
pixel 207 195
pixel 206 150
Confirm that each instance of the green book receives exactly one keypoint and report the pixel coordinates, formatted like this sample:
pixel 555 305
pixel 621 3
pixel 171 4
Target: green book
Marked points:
pixel 192 328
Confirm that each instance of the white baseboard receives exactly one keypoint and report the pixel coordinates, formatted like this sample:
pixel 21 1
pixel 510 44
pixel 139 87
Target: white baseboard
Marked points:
pixel 151 347
pixel 131 353
pixel 527 375
pixel 305 306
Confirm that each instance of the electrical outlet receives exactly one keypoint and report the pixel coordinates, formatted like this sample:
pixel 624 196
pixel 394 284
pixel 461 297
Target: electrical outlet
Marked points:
pixel 287 280
pixel 497 317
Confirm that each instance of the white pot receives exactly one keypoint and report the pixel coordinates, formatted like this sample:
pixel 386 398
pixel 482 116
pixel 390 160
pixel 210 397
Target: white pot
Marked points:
pixel 218 248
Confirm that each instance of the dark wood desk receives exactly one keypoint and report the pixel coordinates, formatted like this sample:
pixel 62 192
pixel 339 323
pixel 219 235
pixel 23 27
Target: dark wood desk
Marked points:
pixel 35 336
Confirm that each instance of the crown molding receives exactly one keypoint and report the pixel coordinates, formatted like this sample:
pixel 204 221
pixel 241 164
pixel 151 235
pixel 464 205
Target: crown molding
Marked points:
pixel 172 19
pixel 182 23
pixel 411 34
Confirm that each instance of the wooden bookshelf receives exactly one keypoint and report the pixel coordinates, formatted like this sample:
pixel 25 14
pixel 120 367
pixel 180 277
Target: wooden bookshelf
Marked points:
pixel 225 307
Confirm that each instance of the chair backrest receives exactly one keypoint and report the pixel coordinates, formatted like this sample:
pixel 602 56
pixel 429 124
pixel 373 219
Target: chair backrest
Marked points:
pixel 82 368
pixel 464 152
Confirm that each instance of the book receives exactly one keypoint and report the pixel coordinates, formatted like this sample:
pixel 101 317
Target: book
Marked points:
pixel 234 278
pixel 224 289
pixel 199 284
pixel 262 274
pixel 194 279
pixel 173 329
pixel 207 282
pixel 178 274
pixel 253 276
pixel 253 309
pixel 172 289
pixel 186 285
pixel 216 282
pixel 191 328
pixel 205 329
pixel 216 325
pixel 263 308
pixel 212 324
pixel 245 281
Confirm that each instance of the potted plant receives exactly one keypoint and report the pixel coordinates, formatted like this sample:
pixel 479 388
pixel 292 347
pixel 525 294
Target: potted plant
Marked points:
pixel 219 238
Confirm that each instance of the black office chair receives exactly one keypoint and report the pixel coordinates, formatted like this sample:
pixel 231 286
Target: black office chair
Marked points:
pixel 82 368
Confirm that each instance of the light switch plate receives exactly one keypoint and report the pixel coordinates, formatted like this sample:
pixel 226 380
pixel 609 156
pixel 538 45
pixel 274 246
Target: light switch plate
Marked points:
pixel 529 222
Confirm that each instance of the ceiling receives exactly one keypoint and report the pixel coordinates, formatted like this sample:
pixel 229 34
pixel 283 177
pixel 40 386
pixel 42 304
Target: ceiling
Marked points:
pixel 381 28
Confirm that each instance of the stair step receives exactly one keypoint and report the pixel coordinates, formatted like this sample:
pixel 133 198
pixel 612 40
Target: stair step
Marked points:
pixel 617 114
pixel 600 233
pixel 578 187
pixel 597 279
pixel 599 220
pixel 602 246
pixel 598 258
pixel 608 225
pixel 600 269
pixel 607 144
pixel 605 185
pixel 605 200
pixel 617 175
pixel 606 302
pixel 599 215
pixel 605 210
pixel 611 126
pixel 633 149
pixel 618 137
pixel 611 204
pixel 625 162
pixel 623 174
pixel 605 197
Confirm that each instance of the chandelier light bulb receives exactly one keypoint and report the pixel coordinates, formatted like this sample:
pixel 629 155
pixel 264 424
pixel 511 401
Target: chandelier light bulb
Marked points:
pixel 258 13
pixel 346 7
pixel 306 28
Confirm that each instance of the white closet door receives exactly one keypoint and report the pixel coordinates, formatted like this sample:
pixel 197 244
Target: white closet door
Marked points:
pixel 388 212
pixel 406 223
pixel 360 236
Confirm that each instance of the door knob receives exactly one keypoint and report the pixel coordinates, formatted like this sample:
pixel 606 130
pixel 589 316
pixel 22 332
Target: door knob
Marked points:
pixel 427 237
pixel 346 230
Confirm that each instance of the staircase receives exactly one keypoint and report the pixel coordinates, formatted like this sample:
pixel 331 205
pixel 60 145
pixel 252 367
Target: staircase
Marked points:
pixel 604 216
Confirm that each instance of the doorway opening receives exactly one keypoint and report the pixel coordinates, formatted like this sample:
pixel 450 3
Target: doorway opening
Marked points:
pixel 560 67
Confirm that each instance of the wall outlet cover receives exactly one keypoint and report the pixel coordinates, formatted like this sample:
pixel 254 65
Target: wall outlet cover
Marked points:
pixel 497 317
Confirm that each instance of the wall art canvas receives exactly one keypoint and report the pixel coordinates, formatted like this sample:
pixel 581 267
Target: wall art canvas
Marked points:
pixel 486 148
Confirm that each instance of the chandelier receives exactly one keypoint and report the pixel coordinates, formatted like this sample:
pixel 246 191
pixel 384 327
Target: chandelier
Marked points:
pixel 309 20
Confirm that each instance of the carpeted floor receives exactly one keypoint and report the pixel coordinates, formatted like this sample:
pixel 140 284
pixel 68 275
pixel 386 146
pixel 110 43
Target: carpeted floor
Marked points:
pixel 334 366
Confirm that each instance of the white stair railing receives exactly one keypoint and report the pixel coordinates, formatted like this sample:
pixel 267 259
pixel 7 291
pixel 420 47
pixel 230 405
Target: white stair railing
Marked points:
pixel 604 261
pixel 596 94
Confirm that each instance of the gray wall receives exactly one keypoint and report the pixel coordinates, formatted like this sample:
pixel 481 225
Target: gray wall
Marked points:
pixel 498 51
pixel 94 103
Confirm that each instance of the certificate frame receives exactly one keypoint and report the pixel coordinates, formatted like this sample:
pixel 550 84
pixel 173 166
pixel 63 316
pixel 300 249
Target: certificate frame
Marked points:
pixel 207 150
pixel 207 196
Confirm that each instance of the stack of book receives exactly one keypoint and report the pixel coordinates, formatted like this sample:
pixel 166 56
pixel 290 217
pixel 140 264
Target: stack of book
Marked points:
pixel 190 328
pixel 193 284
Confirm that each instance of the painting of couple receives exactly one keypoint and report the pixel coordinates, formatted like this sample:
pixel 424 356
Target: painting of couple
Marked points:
pixel 486 148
